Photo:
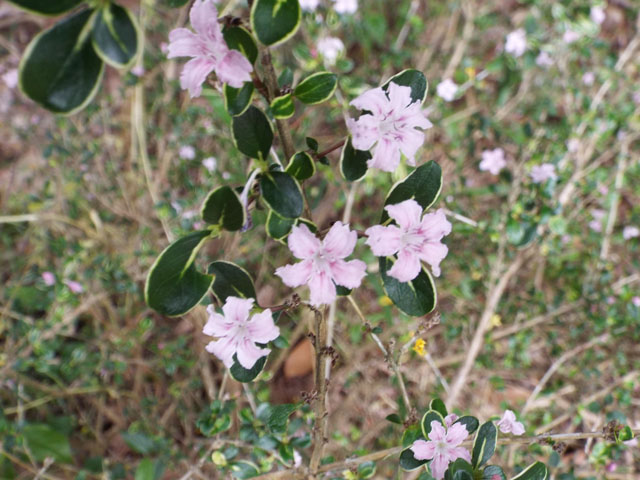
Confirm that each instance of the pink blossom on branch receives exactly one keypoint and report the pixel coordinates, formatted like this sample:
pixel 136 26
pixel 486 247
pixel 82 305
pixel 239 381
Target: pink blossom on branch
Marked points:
pixel 509 424
pixel 442 448
pixel 323 265
pixel 630 231
pixel 493 161
pixel 238 334
pixel 414 239
pixel 346 6
pixel 390 126
pixel 447 90
pixel 544 172
pixel 516 42
pixel 209 51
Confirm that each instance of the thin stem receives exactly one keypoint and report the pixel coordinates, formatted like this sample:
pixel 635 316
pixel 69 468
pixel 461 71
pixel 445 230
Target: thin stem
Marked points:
pixel 320 408
pixel 326 152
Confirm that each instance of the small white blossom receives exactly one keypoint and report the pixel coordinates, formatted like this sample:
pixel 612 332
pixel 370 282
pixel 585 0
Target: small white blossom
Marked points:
pixel 516 43
pixel 447 90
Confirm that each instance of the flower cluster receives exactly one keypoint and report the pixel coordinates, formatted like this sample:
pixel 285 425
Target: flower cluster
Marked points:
pixel 443 446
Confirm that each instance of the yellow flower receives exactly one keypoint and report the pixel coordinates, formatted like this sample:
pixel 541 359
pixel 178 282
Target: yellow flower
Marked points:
pixel 419 347
pixel 496 320
pixel 471 72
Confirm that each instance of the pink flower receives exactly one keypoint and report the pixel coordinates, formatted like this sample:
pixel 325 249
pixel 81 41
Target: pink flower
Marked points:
pixel 570 36
pixel 210 163
pixel 330 48
pixel 516 43
pixel 630 232
pixel 573 145
pixel 414 239
pixel 598 215
pixel 493 161
pixel 390 126
pixel 75 287
pixel 209 51
pixel 636 301
pixel 442 447
pixel 346 6
pixel 598 14
pixel 544 172
pixel 138 71
pixel 544 60
pixel 10 78
pixel 322 266
pixel 447 90
pixel 237 334
pixel 509 424
pixel 309 5
pixel 588 78
pixel 450 419
pixel 48 278
pixel 187 152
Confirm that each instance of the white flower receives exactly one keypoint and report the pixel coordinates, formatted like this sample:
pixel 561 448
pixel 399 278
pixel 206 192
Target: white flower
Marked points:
pixel 630 231
pixel 309 5
pixel 573 145
pixel 570 36
pixel 588 78
pixel 447 90
pixel 493 161
pixel 516 43
pixel 187 152
pixel 598 14
pixel 346 6
pixel 210 163
pixel 544 172
pixel 544 60
pixel 11 78
pixel 330 48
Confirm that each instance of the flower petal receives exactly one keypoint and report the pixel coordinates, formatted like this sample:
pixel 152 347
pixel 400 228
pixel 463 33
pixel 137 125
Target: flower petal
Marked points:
pixel 406 214
pixel 339 241
pixel 374 101
pixel 456 434
pixel 236 310
pixel 365 132
pixel 194 73
pixel 234 69
pixel 399 96
pixel 216 326
pixel 423 450
pixel 302 243
pixel 261 327
pixel 460 452
pixel 348 274
pixel 384 241
pixel 248 353
pixel 386 155
pixel 204 19
pixel 223 349
pixel 407 266
pixel 296 274
pixel 184 43
pixel 437 433
pixel 438 466
pixel 322 290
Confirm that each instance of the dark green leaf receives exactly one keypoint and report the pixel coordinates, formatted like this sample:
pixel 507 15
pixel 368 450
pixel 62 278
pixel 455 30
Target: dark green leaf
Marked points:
pixel 176 3
pixel 239 38
pixel 174 286
pixel 460 470
pixel 244 375
pixel 366 470
pixel 427 418
pixel 411 434
pixel 237 100
pixel 439 406
pixel 409 462
pixel 417 297
pixel 423 185
pixel 60 69
pixel 44 441
pixel 316 88
pixel 275 21
pixel 139 442
pixel 353 163
pixel 410 78
pixel 216 418
pixel 312 143
pixel 484 444
pixel 252 133
pixel 115 35
pixel 282 193
pixel 301 166
pixel 394 418
pixel 278 416
pixel 223 207
pixel 535 471
pixel 282 107
pixel 469 422
pixel 47 7
pixel 278 227
pixel 343 291
pixel 244 469
pixel 493 472
pixel 231 281
pixel 145 470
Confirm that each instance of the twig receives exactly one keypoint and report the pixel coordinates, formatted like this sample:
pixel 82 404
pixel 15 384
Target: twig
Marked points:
pixel 320 425
pixel 615 201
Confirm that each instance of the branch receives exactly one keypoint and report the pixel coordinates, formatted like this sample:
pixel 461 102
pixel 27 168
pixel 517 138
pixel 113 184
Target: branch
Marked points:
pixel 320 407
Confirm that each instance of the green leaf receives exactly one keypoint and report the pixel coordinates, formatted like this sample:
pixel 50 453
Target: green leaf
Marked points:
pixel 278 416
pixel 282 107
pixel 520 233
pixel 115 36
pixel 394 418
pixel 252 133
pixel 47 7
pixel 237 100
pixel 535 471
pixel 439 406
pixel 44 441
pixel 244 469
pixel 145 470
pixel 239 38
pixel 411 434
pixel 174 286
pixel 278 227
pixel 427 418
pixel 275 21
pixel 469 422
pixel 243 375
pixel 215 418
pixel 423 185
pixel 312 143
pixel 493 472
pixel 409 462
pixel 459 470
pixel 316 88
pixel 410 78
pixel 282 194
pixel 301 166
pixel 231 281
pixel 484 444
pixel 139 442
pixel 60 69
pixel 417 297
pixel 353 163
pixel 223 207
pixel 366 470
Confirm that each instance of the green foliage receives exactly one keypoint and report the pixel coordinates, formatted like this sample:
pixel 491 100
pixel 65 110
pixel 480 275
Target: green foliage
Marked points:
pixel 230 281
pixel 282 107
pixel 484 445
pixel 239 38
pixel 410 78
pixel 275 21
pixel 115 35
pixel 223 208
pixel 282 193
pixel 301 166
pixel 238 100
pixel 316 88
pixel 417 297
pixel 353 163
pixel 47 7
pixel 252 133
pixel 44 441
